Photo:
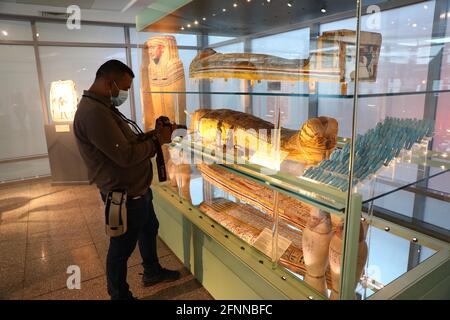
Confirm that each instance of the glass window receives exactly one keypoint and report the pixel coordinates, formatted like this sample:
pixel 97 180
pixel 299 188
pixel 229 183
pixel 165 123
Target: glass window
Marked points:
pixel 182 39
pixel 231 101
pixel 79 65
pixel 217 39
pixel 87 33
pixel 349 24
pixel 436 212
pixel 288 45
pixel 21 120
pixel 402 67
pixel 15 30
pixel 401 202
pixel 388 256
pixel 231 48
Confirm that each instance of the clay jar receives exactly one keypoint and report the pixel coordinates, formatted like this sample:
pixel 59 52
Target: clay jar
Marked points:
pixel 335 255
pixel 315 244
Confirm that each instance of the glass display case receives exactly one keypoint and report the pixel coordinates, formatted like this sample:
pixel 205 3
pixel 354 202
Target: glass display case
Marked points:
pixel 317 138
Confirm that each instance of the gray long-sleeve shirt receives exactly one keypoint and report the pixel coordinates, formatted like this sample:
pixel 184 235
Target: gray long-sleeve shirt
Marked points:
pixel 116 159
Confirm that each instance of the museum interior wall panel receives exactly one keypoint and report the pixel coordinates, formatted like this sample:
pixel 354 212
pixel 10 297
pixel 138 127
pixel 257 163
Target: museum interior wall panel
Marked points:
pixel 22 130
pixel 23 170
pixel 15 30
pixel 87 33
pixel 21 127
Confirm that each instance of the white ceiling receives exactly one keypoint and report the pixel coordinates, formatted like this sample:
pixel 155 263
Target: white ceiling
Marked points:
pixel 94 10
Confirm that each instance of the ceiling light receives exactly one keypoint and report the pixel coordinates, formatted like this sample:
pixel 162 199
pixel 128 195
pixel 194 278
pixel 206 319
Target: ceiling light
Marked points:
pixel 189 25
pixel 129 5
pixel 5 33
pixel 289 4
pixel 235 5
pixel 37 34
pixel 414 25
pixel 249 0
pixel 182 28
pixel 323 10
pixel 196 22
pixel 224 10
pixel 268 1
pixel 425 7
pixel 204 19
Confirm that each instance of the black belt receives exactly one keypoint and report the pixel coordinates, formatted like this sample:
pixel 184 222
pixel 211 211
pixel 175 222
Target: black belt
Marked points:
pixel 135 198
pixel 128 197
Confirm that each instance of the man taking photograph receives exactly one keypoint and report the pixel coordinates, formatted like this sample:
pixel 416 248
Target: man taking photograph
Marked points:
pixel 117 154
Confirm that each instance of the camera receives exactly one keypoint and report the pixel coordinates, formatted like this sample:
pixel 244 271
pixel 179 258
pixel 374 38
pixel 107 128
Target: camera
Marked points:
pixel 164 121
pixel 161 123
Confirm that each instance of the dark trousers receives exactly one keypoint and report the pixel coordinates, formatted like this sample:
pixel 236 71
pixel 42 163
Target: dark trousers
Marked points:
pixel 143 229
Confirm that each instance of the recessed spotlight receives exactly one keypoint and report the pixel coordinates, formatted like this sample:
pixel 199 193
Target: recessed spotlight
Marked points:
pixel 182 28
pixel 224 10
pixel 37 34
pixel 249 0
pixel 204 19
pixel 5 33
pixel 196 22
pixel 213 14
pixel 189 25
pixel 323 10
pixel 268 1
pixel 235 5
pixel 289 4
pixel 414 25
pixel 425 7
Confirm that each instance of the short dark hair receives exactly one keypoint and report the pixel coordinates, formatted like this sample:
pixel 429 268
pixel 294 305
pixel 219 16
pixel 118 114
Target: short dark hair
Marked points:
pixel 113 68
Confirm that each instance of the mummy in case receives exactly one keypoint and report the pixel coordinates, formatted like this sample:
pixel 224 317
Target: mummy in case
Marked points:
pixel 312 144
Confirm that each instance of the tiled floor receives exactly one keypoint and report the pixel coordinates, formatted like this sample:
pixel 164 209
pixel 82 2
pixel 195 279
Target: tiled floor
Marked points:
pixel 44 229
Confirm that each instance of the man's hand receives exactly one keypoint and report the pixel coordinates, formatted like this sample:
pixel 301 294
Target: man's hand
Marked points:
pixel 163 129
